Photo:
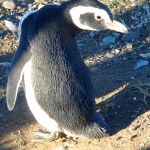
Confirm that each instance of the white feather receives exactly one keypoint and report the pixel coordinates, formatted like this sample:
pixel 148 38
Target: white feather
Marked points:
pixel 75 13
pixel 35 108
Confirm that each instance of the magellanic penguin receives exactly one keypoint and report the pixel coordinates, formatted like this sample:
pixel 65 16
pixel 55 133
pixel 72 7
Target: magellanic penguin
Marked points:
pixel 58 85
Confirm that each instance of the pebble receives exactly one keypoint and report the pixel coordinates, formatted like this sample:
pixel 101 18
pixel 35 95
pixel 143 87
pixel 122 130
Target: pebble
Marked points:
pixel 117 51
pixel 21 94
pixel 104 44
pixel 129 46
pixel 148 39
pixel 109 55
pixel 9 5
pixel 41 1
pixel 115 34
pixel 134 98
pixel 141 63
pixel 70 143
pixel 118 138
pixel 146 55
pixel 3 117
pixel 1 32
pixel 134 127
pixel 24 3
pixel 92 34
pixel 130 36
pixel 93 69
pixel 23 143
pixel 61 148
pixel 133 136
pixel 80 45
pixel 109 39
pixel 141 145
pixel 5 76
pixel 29 1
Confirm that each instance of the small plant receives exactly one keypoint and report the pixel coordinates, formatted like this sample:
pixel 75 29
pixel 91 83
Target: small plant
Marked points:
pixel 143 88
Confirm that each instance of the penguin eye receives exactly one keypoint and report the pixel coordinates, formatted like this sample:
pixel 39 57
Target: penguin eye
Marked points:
pixel 98 17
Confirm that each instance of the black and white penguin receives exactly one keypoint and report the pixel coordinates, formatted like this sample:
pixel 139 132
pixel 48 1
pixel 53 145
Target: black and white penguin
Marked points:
pixel 57 83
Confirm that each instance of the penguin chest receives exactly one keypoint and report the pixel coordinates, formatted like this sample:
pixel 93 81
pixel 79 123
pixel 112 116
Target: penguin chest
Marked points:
pixel 39 113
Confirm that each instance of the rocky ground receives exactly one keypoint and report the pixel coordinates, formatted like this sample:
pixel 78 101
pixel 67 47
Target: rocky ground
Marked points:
pixel 120 69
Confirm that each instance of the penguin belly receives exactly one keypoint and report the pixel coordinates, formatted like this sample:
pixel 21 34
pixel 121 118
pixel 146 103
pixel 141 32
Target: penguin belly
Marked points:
pixel 39 114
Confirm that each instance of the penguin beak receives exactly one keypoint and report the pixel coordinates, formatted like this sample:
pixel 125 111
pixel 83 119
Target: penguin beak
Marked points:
pixel 117 26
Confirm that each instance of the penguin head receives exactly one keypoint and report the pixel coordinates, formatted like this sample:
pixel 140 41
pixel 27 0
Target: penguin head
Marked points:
pixel 93 15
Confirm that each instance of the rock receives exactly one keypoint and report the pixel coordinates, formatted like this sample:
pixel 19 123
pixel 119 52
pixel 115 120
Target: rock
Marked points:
pixel 118 138
pixel 41 1
pixel 61 148
pixel 10 25
pixel 141 63
pixel 134 98
pixel 24 3
pixel 93 69
pixel 104 44
pixel 133 136
pixel 115 34
pixel 5 76
pixel 146 55
pixel 3 118
pixel 21 94
pixel 28 1
pixel 129 46
pixel 1 32
pixel 109 39
pixel 130 36
pixel 80 45
pixel 134 127
pixel 117 51
pixel 148 39
pixel 70 143
pixel 9 5
pixel 92 33
pixel 109 55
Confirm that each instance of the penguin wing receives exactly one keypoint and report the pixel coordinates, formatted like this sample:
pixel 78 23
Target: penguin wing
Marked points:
pixel 21 57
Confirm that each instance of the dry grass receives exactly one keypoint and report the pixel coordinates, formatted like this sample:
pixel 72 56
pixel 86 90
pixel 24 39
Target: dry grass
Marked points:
pixel 143 88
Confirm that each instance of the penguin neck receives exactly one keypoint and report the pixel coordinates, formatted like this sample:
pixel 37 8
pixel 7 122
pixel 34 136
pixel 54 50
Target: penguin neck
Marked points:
pixel 60 16
pixel 65 11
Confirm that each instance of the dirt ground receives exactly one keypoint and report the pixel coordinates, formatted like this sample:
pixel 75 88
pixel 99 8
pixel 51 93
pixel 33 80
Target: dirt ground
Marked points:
pixel 122 93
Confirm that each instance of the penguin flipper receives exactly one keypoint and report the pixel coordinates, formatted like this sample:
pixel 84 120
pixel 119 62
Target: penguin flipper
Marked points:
pixel 20 59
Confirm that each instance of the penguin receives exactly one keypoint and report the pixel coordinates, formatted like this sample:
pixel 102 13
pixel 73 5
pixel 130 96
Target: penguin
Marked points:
pixel 57 83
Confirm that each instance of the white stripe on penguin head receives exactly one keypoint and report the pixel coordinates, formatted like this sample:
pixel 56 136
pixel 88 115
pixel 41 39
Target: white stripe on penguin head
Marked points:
pixel 75 13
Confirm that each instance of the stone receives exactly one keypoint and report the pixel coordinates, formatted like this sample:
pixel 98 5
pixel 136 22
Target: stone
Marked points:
pixel 3 117
pixel 109 39
pixel 70 143
pixel 80 45
pixel 118 138
pixel 131 36
pixel 9 5
pixel 115 34
pixel 24 3
pixel 28 1
pixel 61 148
pixel 134 127
pixel 134 98
pixel 92 34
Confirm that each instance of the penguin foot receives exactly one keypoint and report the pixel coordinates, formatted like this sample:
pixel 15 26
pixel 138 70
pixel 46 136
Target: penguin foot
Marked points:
pixel 43 136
